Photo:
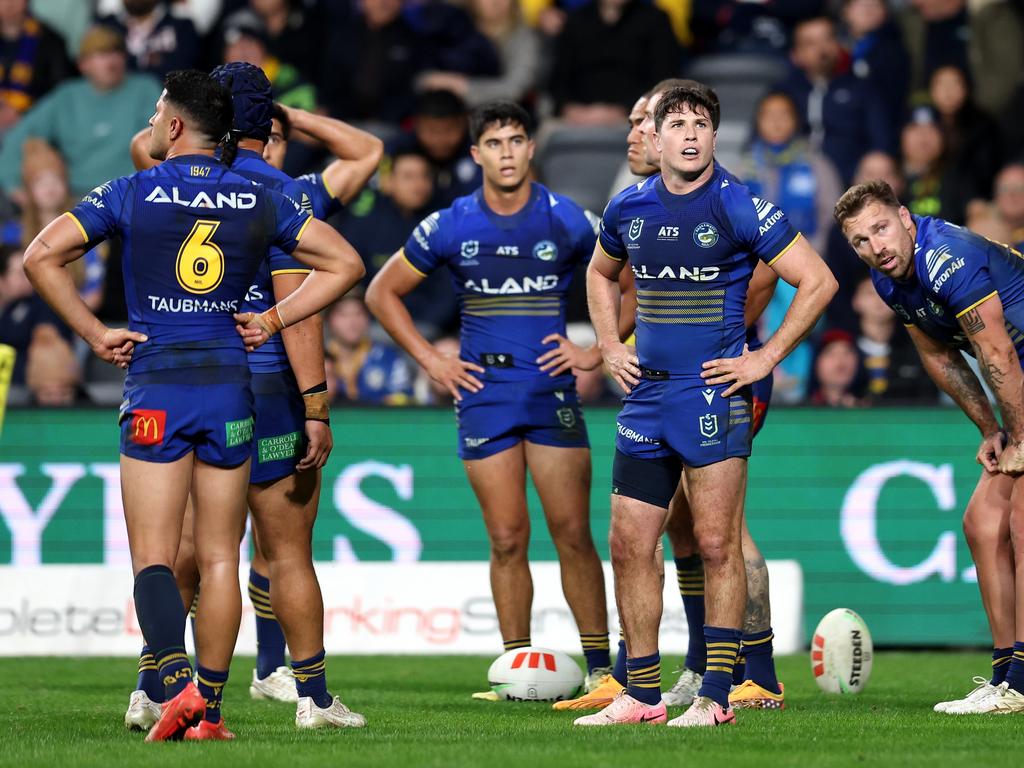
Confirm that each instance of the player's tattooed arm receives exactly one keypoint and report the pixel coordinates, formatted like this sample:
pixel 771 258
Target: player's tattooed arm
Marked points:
pixel 997 357
pixel 950 372
pixel 972 322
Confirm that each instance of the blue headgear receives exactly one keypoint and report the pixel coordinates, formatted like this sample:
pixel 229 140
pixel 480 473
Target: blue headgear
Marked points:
pixel 250 95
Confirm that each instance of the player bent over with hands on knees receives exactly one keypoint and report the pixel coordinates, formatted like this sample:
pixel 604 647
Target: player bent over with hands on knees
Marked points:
pixel 957 292
pixel 692 237
pixel 292 436
pixel 757 684
pixel 512 248
pixel 194 235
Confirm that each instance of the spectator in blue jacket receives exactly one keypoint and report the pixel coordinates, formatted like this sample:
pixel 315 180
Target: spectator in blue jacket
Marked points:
pixel 841 113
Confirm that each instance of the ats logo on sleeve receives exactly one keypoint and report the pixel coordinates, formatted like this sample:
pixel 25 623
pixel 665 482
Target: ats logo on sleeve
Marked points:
pixel 148 427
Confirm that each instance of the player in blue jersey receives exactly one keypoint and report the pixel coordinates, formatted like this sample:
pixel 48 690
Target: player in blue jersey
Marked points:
pixel 760 689
pixel 692 237
pixel 356 156
pixel 292 441
pixel 957 292
pixel 187 417
pixel 512 248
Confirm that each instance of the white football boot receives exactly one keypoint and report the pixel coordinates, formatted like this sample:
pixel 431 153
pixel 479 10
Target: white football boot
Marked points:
pixel 142 712
pixel 279 685
pixel 1005 700
pixel 685 689
pixel 309 715
pixel 982 689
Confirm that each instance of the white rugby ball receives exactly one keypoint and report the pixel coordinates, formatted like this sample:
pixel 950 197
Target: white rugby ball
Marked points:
pixel 841 652
pixel 534 674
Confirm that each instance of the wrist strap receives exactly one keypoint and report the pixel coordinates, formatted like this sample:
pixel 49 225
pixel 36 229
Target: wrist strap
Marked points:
pixel 270 321
pixel 317 401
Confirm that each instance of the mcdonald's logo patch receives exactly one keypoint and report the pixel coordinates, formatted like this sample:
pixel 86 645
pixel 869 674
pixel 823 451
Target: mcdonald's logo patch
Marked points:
pixel 532 660
pixel 147 427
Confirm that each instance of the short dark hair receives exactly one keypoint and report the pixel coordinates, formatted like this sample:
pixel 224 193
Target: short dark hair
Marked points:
pixel 439 103
pixel 668 84
pixel 501 112
pixel 696 96
pixel 278 113
pixel 858 196
pixel 8 253
pixel 203 99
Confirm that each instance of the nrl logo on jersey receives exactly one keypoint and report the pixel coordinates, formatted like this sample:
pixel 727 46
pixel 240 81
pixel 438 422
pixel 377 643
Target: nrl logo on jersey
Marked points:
pixel 635 228
pixel 705 235
pixel 239 200
pixel 469 249
pixel 935 308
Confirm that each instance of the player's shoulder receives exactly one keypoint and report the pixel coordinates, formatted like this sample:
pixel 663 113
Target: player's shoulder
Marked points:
pixel 733 195
pixel 564 209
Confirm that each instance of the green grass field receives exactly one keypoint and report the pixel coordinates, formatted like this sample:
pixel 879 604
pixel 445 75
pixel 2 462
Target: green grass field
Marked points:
pixel 68 712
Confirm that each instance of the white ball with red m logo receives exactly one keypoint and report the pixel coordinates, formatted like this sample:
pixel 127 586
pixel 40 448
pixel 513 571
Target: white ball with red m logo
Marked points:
pixel 535 674
pixel 841 652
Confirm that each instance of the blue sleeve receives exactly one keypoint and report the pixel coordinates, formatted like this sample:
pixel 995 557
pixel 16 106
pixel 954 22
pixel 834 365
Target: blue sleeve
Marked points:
pixel 425 249
pixel 290 222
pixel 760 226
pixel 99 212
pixel 608 236
pixel 322 203
pixel 958 275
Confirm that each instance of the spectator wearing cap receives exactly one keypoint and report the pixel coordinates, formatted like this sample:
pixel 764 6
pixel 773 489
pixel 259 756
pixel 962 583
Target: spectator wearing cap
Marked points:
pixel 379 222
pixel 33 60
pixel 246 39
pixel 841 113
pixel 440 132
pixel 380 56
pixel 933 186
pixel 156 41
pixel 90 120
pixel 878 55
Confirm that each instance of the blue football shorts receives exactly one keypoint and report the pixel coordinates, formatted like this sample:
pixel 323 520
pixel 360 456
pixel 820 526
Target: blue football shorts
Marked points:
pixel 167 414
pixel 504 413
pixel 686 418
pixel 279 439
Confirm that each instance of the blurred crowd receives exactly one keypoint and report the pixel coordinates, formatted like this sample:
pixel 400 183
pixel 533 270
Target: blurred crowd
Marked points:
pixel 927 94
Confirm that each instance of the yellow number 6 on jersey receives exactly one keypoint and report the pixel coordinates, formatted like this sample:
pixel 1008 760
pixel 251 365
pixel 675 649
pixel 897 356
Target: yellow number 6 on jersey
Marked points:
pixel 200 265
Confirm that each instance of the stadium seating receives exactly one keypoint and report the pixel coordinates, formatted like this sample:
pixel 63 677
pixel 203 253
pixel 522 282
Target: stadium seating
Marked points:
pixel 740 79
pixel 581 162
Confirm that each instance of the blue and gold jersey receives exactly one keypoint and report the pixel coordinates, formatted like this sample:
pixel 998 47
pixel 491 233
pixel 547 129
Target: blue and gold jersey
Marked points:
pixel 955 270
pixel 692 256
pixel 321 199
pixel 511 275
pixel 194 235
pixel 271 357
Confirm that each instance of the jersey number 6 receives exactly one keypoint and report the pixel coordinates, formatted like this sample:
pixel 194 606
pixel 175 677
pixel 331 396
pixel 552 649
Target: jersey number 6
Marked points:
pixel 200 265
